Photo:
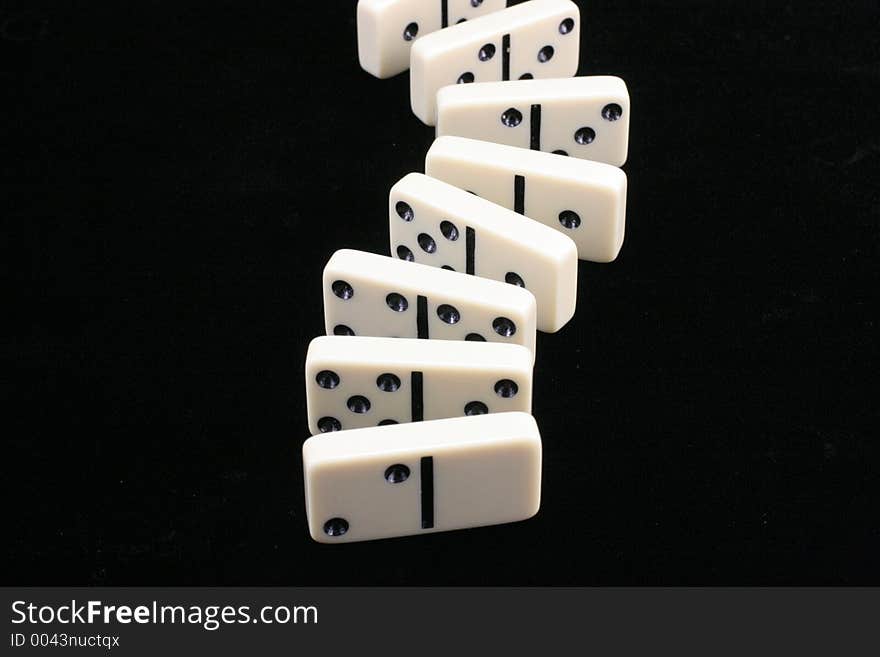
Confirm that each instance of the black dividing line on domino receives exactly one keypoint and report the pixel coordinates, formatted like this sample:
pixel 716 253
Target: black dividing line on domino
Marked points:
pixel 417 400
pixel 470 248
pixel 535 128
pixel 505 57
pixel 519 194
pixel 444 13
pixel 427 467
pixel 422 318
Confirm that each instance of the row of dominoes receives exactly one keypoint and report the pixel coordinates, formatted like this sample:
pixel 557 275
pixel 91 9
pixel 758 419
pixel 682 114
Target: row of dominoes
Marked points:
pixel 484 250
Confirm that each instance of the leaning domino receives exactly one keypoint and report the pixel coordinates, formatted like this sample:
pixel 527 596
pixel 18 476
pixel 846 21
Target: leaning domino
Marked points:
pixel 582 199
pixel 536 39
pixel 387 29
pixel 369 294
pixel 585 117
pixel 434 476
pixel 434 223
pixel 356 382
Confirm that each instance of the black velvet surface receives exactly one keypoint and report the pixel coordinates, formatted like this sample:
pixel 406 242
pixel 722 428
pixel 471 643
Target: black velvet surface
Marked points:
pixel 174 180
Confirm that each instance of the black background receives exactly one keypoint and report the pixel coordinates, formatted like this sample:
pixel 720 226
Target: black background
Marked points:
pixel 176 178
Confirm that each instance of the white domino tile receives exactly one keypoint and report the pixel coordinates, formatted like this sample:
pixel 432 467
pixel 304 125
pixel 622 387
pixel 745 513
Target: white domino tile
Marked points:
pixel 582 199
pixel 440 225
pixel 536 39
pixel 357 382
pixel 387 29
pixel 434 476
pixel 373 295
pixel 586 117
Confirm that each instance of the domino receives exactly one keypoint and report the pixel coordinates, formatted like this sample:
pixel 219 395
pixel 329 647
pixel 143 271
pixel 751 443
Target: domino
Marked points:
pixel 373 295
pixel 536 39
pixel 582 199
pixel 356 382
pixel 586 117
pixel 434 223
pixel 435 476
pixel 387 29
